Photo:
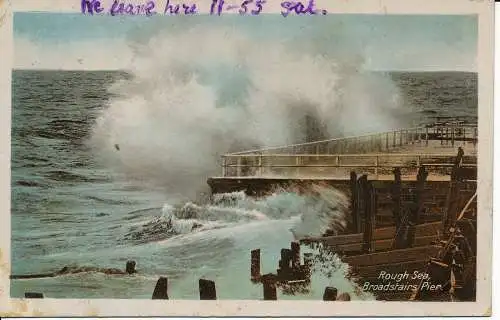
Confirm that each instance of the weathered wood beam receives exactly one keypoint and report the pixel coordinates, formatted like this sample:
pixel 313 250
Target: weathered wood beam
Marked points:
pixel 370 211
pixel 386 233
pixel 394 256
pixel 396 197
pixel 450 216
pixel 356 220
pixel 417 206
pixel 207 289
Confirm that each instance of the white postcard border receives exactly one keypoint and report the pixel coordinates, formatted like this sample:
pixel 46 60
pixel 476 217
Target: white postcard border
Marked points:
pixel 115 307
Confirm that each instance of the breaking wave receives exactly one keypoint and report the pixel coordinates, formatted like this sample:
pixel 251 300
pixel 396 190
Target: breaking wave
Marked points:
pixel 322 209
pixel 184 107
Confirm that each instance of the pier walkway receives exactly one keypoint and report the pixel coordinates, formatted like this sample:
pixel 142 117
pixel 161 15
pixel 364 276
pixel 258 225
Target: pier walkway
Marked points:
pixel 434 147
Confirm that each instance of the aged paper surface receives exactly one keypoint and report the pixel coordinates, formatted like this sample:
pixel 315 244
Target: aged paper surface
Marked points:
pixel 283 158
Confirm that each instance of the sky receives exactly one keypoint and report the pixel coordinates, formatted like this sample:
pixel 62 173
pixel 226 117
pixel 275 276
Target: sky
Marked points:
pixel 383 42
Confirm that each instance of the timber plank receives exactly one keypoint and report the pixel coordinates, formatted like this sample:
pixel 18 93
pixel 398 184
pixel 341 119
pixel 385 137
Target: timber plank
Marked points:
pixel 422 230
pixel 386 244
pixel 394 256
pixel 372 273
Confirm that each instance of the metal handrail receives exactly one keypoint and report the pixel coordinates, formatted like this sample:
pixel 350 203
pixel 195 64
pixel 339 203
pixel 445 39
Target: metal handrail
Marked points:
pixel 373 161
pixel 382 140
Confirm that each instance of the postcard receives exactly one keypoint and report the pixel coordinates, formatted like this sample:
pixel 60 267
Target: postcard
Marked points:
pixel 246 158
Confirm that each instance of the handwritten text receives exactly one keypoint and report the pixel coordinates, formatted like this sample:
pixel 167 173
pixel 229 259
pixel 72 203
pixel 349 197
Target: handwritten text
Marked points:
pixel 217 7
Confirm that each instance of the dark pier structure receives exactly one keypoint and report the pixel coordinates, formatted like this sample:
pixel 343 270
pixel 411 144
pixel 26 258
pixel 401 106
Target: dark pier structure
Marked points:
pixel 412 207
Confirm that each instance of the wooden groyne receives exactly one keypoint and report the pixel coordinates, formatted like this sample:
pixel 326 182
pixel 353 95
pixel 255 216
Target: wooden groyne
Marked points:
pixel 429 248
pixel 406 190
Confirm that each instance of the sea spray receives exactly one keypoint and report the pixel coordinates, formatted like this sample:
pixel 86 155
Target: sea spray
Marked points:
pixel 183 107
pixel 317 209
pixel 329 270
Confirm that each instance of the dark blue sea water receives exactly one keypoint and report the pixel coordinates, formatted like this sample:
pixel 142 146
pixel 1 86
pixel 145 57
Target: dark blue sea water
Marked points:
pixel 71 208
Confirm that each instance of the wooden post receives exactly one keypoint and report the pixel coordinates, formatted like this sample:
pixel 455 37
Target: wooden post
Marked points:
pixel 207 290
pixel 370 212
pixel 297 163
pixel 238 167
pixel 308 262
pixel 417 206
pixel 284 270
pixel 255 265
pixel 426 136
pixel 453 194
pixel 356 223
pixel 269 285
pixel 330 294
pixel 224 173
pixel 396 197
pixel 337 164
pixel 474 138
pixel 453 136
pixel 394 139
pixel 260 164
pixel 459 158
pixel 130 267
pixel 400 138
pixel 295 255
pixel 286 255
pixel 33 295
pixel 400 236
pixel 161 289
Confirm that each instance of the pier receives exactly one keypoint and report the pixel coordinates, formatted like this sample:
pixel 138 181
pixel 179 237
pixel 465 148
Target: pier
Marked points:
pixel 412 198
pixel 432 146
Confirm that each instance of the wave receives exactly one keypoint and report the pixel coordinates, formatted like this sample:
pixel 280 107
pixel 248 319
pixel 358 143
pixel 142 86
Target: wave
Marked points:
pixel 319 210
pixel 65 176
pixel 182 108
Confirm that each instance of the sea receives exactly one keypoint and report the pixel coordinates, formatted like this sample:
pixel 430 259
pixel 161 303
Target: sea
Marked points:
pixel 84 196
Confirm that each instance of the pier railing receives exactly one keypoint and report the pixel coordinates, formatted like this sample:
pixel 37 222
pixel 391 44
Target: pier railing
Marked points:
pixel 337 165
pixel 449 135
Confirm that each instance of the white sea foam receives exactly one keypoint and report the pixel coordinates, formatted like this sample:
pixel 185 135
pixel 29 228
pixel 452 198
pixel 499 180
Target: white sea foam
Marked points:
pixel 322 208
pixel 185 106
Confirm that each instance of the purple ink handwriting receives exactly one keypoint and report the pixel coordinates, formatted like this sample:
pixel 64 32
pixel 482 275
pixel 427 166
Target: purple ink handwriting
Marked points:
pixel 217 7
pixel 91 6
pixel 298 8
pixel 122 8
pixel 180 8
pixel 118 7
pixel 253 7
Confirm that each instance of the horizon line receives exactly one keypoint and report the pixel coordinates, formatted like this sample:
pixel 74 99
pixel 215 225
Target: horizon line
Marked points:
pixel 126 70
